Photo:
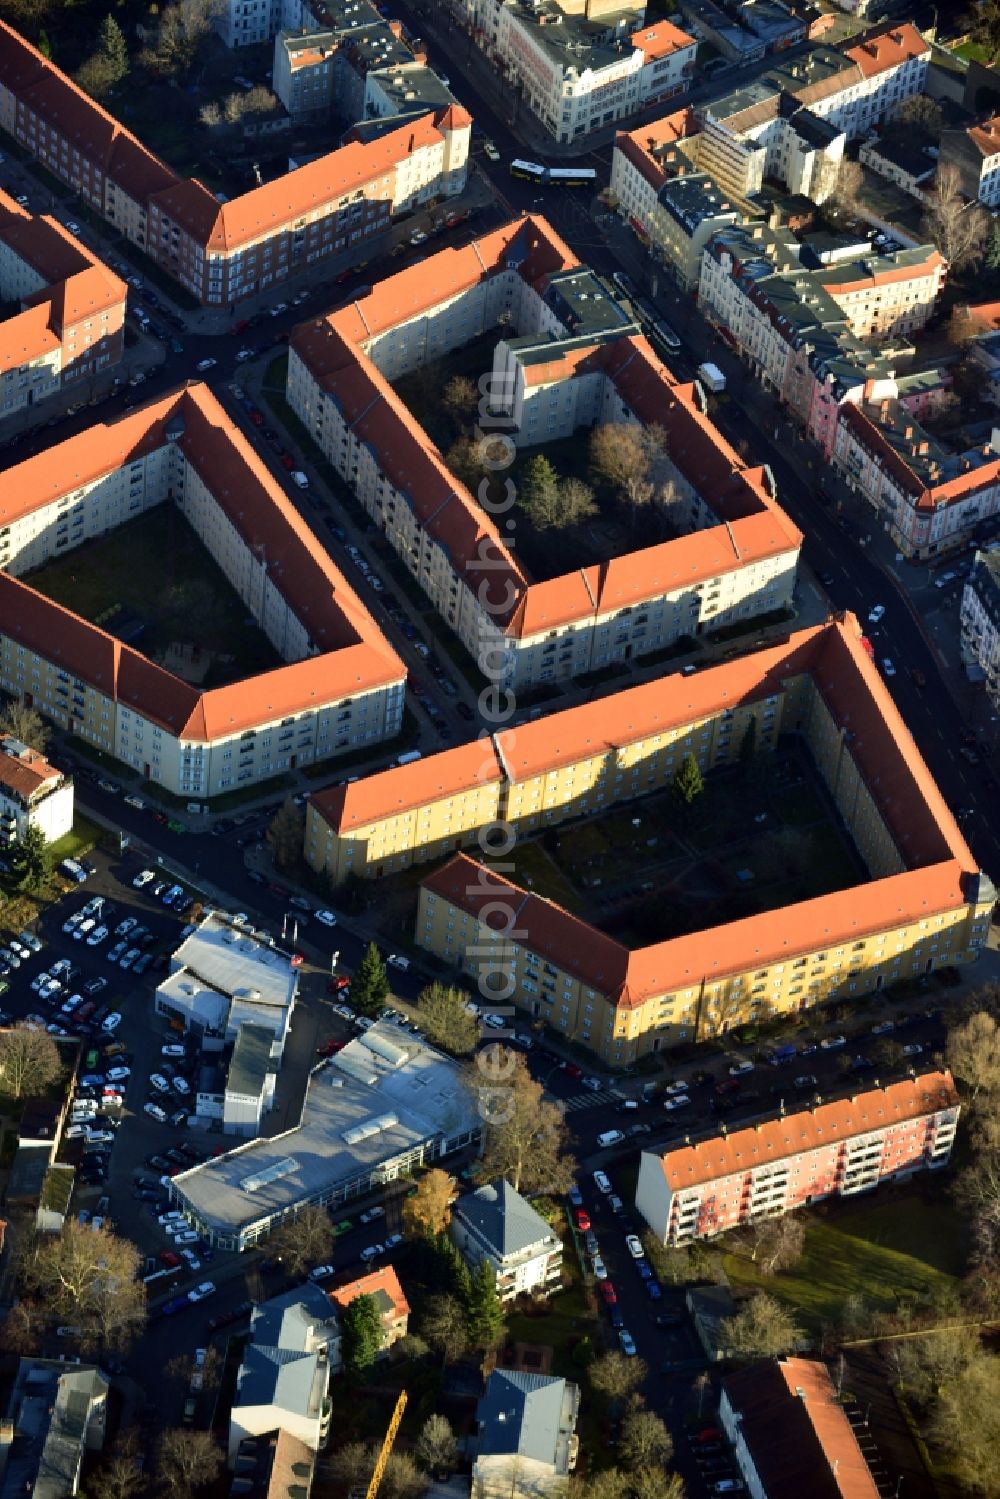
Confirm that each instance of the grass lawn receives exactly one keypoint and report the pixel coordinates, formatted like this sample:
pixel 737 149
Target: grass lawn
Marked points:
pixel 533 864
pixel 83 837
pixel 895 1247
pixel 157 571
pixel 563 1322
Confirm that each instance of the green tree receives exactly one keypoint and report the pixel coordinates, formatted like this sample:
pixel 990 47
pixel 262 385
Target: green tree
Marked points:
pixel 284 835
pixel 112 45
pixel 539 486
pixel 688 783
pixel 31 858
pixel 992 253
pixel 985 19
pixel 446 1018
pixel 483 1310
pixel 571 501
pixel 370 984
pixel 361 1330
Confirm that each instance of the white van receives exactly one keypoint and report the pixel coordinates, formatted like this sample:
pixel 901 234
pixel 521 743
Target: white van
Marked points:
pixel 610 1137
pixel 409 757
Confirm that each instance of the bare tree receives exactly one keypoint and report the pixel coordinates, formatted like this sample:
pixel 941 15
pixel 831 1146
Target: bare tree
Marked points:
pixel 24 723
pixel 187 1460
pixel 623 455
pixel 616 1377
pixel 972 1052
pixel 90 1277
pixel 957 227
pixel 460 398
pixel 284 835
pixel 302 1242
pixel 964 1425
pixel 645 1441
pixel 762 1328
pixel 436 1447
pixel 525 1136
pixel 443 1327
pixel 23 1327
pixel 921 113
pixel 118 1477
pixel 29 1061
pixel 850 183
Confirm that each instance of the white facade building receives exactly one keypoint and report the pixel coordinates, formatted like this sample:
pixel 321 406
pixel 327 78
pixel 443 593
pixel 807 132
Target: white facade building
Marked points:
pixel 497 1225
pixel 32 793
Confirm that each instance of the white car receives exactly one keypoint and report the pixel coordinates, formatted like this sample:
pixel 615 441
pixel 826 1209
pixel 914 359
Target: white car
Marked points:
pixel 202 1292
pixel 171 1051
pixel 678 1101
pixel 887 667
pixel 344 1011
pixel 97 936
pixel 490 151
pixel 159 1083
pixel 417 237
pixel 600 1268
pixel 171 1217
pixel 147 876
pixel 112 1022
pixel 875 615
pixel 205 364
pixel 77 1129
pixel 914 1049
pixel 672 1089
pixel 279 308
pixel 82 928
pixel 73 921
pixel 326 918
pixel 741 1068
pixel 372 1252
pixel 371 1215
pixel 830 1043
pixel 602 1182
pixel 396 960
pixel 119 1074
pixel 188 1237
pixel 182 1086
pixel 299 479
pixel 244 355
pixel 634 1245
pixel 495 1022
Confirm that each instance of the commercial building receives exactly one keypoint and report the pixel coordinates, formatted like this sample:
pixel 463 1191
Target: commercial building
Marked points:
pixel 250 1081
pixel 57 1412
pixel 284 1377
pixel 222 252
pixel 931 499
pixel 566 353
pixel 925 906
pixel 71 310
pixel 981 620
pixel 974 152
pixel 525 1444
pixel 835 1149
pixel 32 794
pixel 390 1302
pixel 495 1225
pixel 341 686
pixel 581 67
pixel 222 980
pixel 383 1106
pixel 791 1434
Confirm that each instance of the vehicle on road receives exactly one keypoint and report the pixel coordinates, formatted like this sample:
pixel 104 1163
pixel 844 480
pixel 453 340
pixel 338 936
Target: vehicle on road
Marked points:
pixel 202 1291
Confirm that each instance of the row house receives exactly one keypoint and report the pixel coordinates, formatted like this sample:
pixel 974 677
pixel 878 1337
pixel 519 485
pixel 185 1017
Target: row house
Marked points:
pixel 925 905
pixel 581 72
pixel 566 350
pixel 981 620
pixel 840 1148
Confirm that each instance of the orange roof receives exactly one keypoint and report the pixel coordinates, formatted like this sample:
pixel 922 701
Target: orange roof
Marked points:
pixel 986 136
pixel 865 278
pixel 743 1150
pixel 351 653
pixel 402 788
pixel 642 146
pixel 887 47
pixel 752 526
pixel 384 1280
pixel 661 39
pixel 929 840
pixel 797 1432
pixel 24 774
pixel 987 313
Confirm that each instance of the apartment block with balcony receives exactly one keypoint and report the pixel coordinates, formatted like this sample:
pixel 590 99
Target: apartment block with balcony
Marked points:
pixel 284 1375
pixel 32 794
pixel 566 352
pixel 925 905
pixel 494 1224
pixel 981 620
pixel 840 1148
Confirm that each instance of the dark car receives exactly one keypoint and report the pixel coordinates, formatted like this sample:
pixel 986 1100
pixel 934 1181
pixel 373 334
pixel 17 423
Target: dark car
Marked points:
pixel 173 1305
pixel 158 1162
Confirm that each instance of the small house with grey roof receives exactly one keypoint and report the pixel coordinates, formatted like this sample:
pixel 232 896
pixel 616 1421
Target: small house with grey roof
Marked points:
pixel 495 1223
pixel 56 1413
pixel 526 1441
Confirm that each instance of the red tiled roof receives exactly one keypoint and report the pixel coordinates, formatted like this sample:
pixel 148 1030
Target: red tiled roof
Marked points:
pixel 986 136
pixel 744 1150
pixel 661 40
pixel 24 774
pixel 401 788
pixel 641 145
pixel 385 1280
pixel 352 655
pixel 887 47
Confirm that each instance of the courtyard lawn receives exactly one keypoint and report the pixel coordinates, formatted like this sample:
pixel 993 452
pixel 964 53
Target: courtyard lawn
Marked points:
pixel 899 1246
pixel 561 1323
pixel 155 571
pixel 535 869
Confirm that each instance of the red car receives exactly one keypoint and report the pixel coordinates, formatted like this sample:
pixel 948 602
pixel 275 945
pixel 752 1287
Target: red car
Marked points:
pixel 608 1292
pixel 239 327
pixel 169 1260
pixel 330 1048
pixel 257 418
pixel 572 1070
pixel 287 461
pixel 709 1434
pixel 338 985
pixel 582 1220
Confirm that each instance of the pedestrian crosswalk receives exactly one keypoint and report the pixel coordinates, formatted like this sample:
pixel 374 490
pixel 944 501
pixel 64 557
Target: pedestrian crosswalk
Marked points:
pixel 591 1100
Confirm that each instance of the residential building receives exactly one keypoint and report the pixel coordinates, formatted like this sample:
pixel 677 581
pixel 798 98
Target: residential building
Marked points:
pixel 834 1149
pixel 56 1413
pixel 246 23
pixel 222 980
pixel 338 686
pixel 222 252
pixel 250 1081
pixel 273 1466
pixel 494 1224
pixel 643 160
pixel 383 1106
pixel 32 794
pixel 284 1376
pixel 981 620
pixel 71 310
pixel 689 210
pixel 791 1434
pixel 582 67
pixel 974 152
pixel 907 164
pixel 392 1306
pixel 525 1443
pixel 926 904
pixel 567 353
pixel 930 499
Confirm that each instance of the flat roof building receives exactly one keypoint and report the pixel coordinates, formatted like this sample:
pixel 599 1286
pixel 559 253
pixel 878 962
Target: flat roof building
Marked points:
pixel 384 1105
pixel 223 981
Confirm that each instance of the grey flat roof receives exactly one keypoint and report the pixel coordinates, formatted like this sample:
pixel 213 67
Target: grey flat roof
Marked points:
pixel 393 1090
pixel 227 959
pixel 251 1056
